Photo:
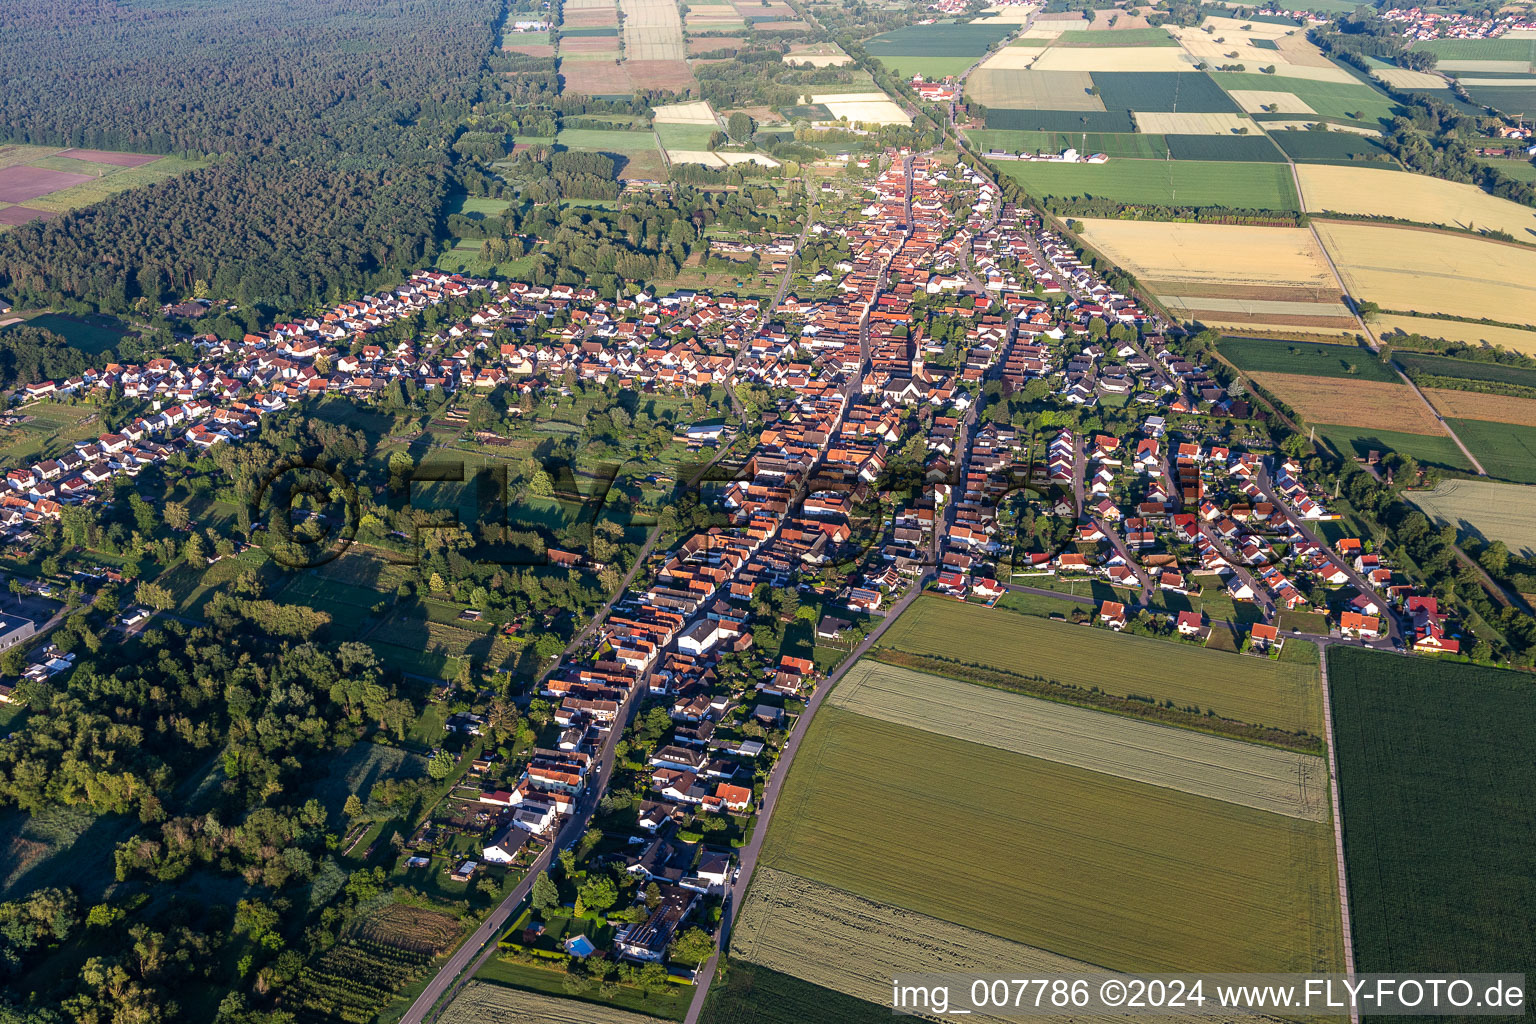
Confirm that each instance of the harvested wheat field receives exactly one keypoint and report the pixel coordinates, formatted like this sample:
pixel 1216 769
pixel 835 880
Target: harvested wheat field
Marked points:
pixel 1217 259
pixel 1402 78
pixel 590 46
pixel 698 112
pixel 1511 338
pixel 1473 405
pixel 1114 58
pixel 484 1003
pixel 1255 100
pixel 653 30
pixel 865 107
pixel 1505 512
pixel 1265 778
pixel 1160 123
pixel 1033 90
pixel 1424 271
pixel 1350 402
pixel 1376 192
pixel 1018 58
pixel 842 941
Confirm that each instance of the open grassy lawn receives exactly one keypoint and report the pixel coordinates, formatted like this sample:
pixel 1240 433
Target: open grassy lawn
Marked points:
pixel 1506 450
pixel 92 333
pixel 601 141
pixel 1244 185
pixel 1429 450
pixel 1439 803
pixel 930 67
pixel 1247 689
pixel 357 768
pixel 1312 359
pixel 1352 101
pixel 671 1003
pixel 1090 866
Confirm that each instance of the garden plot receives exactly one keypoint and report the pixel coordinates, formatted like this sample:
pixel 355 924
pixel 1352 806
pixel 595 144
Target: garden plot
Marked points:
pixel 1265 778
pixel 1373 192
pixel 1156 122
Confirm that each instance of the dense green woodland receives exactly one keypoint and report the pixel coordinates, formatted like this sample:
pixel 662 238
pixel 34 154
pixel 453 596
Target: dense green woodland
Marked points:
pixel 329 116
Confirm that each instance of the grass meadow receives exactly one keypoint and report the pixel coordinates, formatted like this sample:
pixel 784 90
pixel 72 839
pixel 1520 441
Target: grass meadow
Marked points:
pixel 1284 696
pixel 1439 802
pixel 1241 185
pixel 1085 865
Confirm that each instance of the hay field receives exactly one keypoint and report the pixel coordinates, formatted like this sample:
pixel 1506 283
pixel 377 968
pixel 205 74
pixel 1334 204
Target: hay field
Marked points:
pixel 1402 78
pixel 817 55
pixel 1374 192
pixel 1261 692
pixel 844 942
pixel 1264 778
pixel 1487 67
pixel 1114 58
pixel 1511 338
pixel 1255 100
pixel 1219 255
pixel 1433 272
pixel 1089 866
pixel 1331 74
pixel 1351 402
pixel 653 30
pixel 485 1003
pixel 866 107
pixel 1471 405
pixel 1017 57
pixel 1238 27
pixel 698 112
pixel 1505 512
pixel 1033 90
pixel 1161 123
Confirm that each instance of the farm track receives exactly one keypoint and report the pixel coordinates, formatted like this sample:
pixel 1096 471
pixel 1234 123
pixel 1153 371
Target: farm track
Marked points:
pixel 1370 336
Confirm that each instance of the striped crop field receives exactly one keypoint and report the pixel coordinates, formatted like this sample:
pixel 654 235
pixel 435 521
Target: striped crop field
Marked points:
pixel 1264 778
pixel 1089 866
pixel 1278 694
pixel 844 942
pixel 483 1003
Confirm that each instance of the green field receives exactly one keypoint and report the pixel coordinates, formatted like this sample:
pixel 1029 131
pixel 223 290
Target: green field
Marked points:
pixel 1086 865
pixel 670 1003
pixel 1249 690
pixel 478 207
pixel 1112 144
pixel 1439 800
pixel 746 993
pixel 1353 442
pixel 1116 37
pixel 685 136
pixel 1251 186
pixel 1480 49
pixel 1254 355
pixel 1512 100
pixel 1189 92
pixel 937 40
pixel 1520 170
pixel 931 68
pixel 1467 369
pixel 1506 450
pixel 1256 148
pixel 93 333
pixel 1331 99
pixel 1329 147
pixel 600 141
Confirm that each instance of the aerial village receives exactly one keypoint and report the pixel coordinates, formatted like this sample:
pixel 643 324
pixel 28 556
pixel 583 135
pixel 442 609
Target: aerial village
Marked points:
pixel 880 379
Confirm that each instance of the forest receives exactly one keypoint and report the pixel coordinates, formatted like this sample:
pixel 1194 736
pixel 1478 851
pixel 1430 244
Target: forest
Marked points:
pixel 327 122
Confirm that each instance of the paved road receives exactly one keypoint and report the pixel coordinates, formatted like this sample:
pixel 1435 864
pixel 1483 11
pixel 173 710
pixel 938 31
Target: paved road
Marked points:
pixel 1267 488
pixel 481 946
pixel 749 854
pixel 1260 592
